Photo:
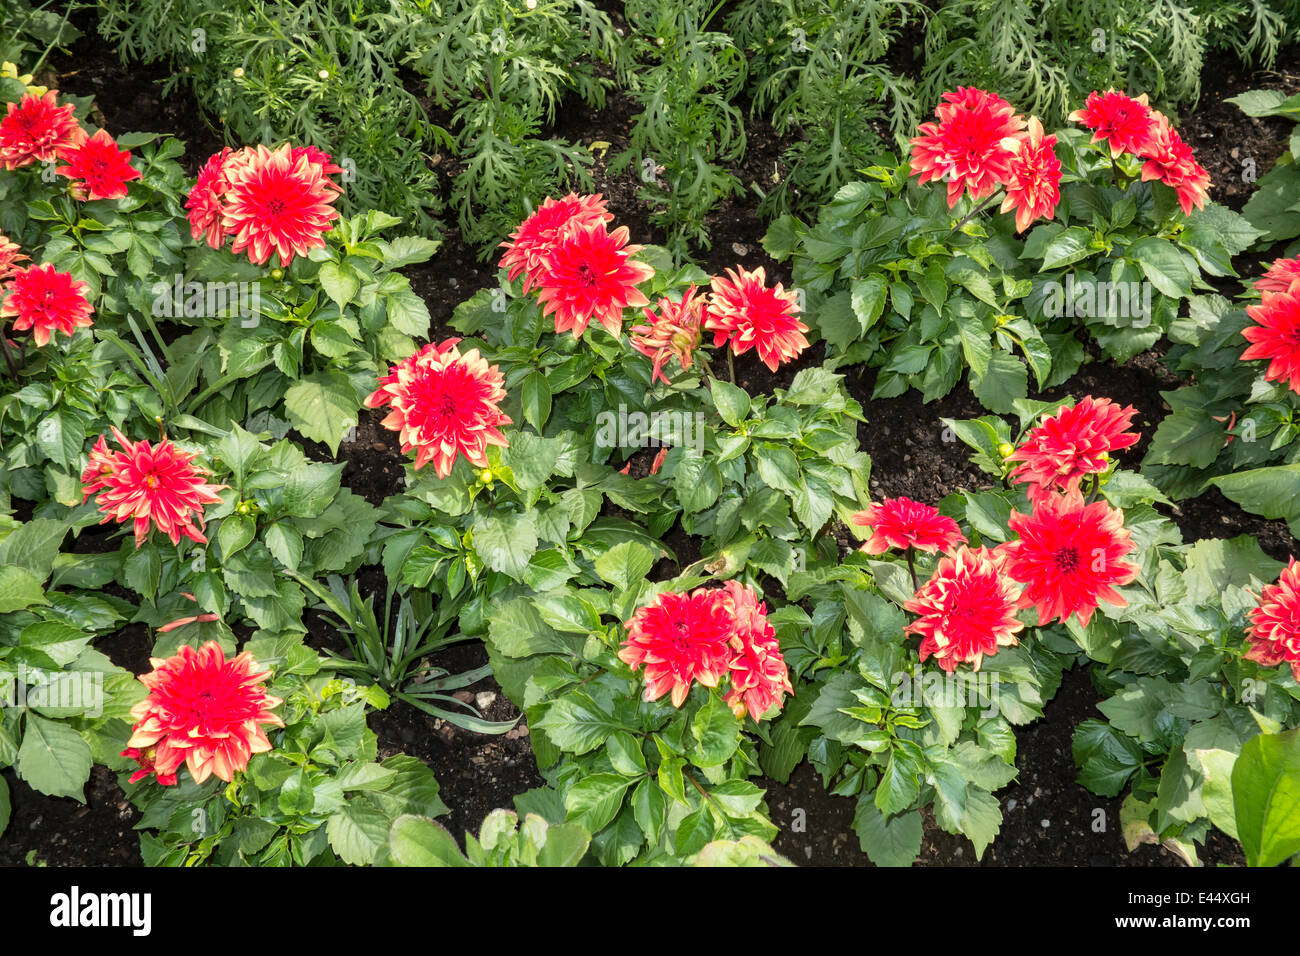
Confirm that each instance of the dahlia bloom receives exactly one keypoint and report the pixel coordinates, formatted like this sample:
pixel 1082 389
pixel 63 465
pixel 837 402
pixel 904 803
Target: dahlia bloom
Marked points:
pixel 205 199
pixel 1034 178
pixel 444 404
pixel 1274 631
pixel 1069 557
pixel 1070 444
pixel 277 201
pixel 161 485
pixel 1280 276
pixel 681 638
pixel 98 162
pixel 1171 161
pixel 675 331
pixel 529 244
pixel 1276 337
pixel 966 147
pixel 45 300
pixel 588 273
pixel 967 609
pixel 749 314
pixel 1125 123
pixel 759 677
pixel 903 523
pixel 34 129
pixel 203 711
pixel 10 252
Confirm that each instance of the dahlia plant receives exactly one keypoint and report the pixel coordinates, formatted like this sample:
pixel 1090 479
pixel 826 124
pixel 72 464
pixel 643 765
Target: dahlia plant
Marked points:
pixel 1112 229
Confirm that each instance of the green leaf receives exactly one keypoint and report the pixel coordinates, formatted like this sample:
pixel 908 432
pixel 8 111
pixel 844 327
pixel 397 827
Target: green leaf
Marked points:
pixel 1006 380
pixel 419 841
pixel 5 808
pixel 322 406
pixel 594 801
pixel 716 732
pixel 697 483
pixel 1266 791
pixel 536 396
pixel 625 565
pixel 1163 266
pixel 731 401
pixel 506 541
pixel 577 724
pixel 868 299
pixel 888 840
pixel 235 534
pixel 19 589
pixel 1067 247
pixel 357 830
pixel 340 282
pixel 1272 492
pixel 53 758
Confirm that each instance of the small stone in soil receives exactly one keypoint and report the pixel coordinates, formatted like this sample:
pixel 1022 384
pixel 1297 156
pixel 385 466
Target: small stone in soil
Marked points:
pixel 485 699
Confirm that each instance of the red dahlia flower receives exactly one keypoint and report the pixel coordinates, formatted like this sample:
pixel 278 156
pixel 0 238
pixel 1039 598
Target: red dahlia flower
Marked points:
pixel 588 273
pixel 1274 632
pixel 1074 442
pixel 1069 557
pixel 674 331
pixel 1276 337
pixel 967 609
pixel 903 523
pixel 1034 178
pixel 759 677
pixel 444 404
pixel 160 485
pixel 1171 161
pixel 681 638
pixel 1125 123
pixel 46 301
pixel 205 199
pixel 204 711
pixel 1280 276
pixel 745 311
pixel 10 252
pixel 278 202
pixel 532 241
pixel 34 129
pixel 965 148
pixel 100 164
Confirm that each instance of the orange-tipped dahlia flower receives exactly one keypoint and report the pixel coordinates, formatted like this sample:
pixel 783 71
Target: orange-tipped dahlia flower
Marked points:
pixel 34 129
pixel 1281 276
pixel 276 201
pixel 681 638
pixel 1274 631
pixel 675 331
pixel 1070 557
pixel 1034 177
pixel 966 147
pixel 46 301
pixel 1276 337
pixel 759 678
pixel 203 711
pixel 444 404
pixel 589 273
pixel 1172 161
pixel 10 252
pixel 746 312
pixel 149 485
pixel 1073 443
pixel 966 610
pixel 530 244
pixel 903 523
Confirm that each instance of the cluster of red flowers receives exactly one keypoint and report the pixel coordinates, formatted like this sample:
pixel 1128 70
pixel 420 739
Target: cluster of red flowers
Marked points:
pixel 980 143
pixel 146 484
pixel 444 404
pixel 1128 125
pixel 37 130
pixel 1067 559
pixel 268 200
pixel 583 272
pixel 1277 335
pixel 1274 632
pixel 704 636
pixel 202 711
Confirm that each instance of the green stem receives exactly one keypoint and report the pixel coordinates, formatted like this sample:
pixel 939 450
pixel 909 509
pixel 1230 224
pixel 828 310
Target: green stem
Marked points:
pixel 973 213
pixel 911 566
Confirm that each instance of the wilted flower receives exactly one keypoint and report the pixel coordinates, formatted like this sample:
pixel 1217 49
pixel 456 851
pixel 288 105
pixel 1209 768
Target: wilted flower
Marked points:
pixel 675 331
pixel 749 314
pixel 903 523
pixel 444 404
pixel 967 609
pixel 203 711
pixel 145 484
pixel 45 300
pixel 1069 557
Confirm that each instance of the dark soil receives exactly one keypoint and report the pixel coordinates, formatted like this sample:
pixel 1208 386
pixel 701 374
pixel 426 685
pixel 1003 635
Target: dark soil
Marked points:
pixel 1048 817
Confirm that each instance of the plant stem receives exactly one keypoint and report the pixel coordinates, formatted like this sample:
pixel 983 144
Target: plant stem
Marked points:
pixel 9 356
pixel 973 213
pixel 731 367
pixel 911 566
